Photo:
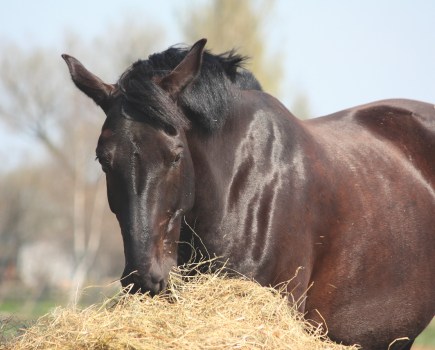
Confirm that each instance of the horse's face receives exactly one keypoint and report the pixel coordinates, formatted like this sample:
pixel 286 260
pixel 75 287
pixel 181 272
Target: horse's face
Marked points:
pixel 150 185
pixel 149 171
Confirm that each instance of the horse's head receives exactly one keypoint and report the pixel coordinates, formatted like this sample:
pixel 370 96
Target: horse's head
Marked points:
pixel 143 151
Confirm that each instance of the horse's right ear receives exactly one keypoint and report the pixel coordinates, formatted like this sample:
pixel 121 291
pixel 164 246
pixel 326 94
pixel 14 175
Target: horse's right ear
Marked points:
pixel 186 71
pixel 87 82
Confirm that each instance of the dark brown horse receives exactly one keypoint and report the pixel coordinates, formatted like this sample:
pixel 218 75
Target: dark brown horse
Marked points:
pixel 347 200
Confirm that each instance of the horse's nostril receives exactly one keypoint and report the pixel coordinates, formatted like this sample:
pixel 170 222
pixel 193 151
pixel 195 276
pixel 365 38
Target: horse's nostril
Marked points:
pixel 134 282
pixel 156 279
pixel 157 285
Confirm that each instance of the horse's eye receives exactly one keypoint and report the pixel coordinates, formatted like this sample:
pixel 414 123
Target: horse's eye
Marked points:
pixel 105 163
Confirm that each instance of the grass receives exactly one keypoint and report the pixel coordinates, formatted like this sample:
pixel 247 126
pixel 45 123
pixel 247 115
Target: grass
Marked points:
pixel 427 338
pixel 18 308
pixel 15 315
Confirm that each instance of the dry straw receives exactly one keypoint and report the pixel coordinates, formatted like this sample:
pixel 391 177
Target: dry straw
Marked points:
pixel 206 311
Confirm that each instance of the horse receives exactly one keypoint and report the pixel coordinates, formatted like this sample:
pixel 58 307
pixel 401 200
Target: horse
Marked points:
pixel 341 207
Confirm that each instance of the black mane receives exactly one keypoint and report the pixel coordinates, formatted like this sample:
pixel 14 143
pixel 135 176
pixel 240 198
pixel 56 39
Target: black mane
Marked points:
pixel 206 101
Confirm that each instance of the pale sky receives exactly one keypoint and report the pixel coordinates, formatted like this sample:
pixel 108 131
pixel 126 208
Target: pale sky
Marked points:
pixel 339 53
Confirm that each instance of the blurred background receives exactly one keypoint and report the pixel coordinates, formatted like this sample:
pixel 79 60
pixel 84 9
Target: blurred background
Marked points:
pixel 56 232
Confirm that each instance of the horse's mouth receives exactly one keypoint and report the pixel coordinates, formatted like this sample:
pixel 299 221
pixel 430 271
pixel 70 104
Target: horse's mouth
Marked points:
pixel 134 283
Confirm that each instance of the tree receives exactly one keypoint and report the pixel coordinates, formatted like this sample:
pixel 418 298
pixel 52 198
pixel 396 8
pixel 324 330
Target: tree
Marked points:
pixel 238 24
pixel 301 106
pixel 38 100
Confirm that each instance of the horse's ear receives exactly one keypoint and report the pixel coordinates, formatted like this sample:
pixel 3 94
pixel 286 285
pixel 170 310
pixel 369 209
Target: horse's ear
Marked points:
pixel 186 71
pixel 87 82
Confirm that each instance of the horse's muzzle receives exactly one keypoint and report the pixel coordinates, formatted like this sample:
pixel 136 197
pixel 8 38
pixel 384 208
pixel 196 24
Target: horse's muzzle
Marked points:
pixel 152 283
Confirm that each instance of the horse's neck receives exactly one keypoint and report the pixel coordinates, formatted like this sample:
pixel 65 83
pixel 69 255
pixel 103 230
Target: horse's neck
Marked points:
pixel 244 174
pixel 251 156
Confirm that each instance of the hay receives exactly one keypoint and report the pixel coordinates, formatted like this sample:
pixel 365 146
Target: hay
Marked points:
pixel 208 311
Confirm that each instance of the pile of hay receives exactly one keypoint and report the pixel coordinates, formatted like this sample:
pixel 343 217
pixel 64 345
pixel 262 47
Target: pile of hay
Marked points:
pixel 208 311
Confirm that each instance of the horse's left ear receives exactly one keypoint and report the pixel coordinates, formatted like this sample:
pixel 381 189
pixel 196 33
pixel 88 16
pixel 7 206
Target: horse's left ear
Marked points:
pixel 88 82
pixel 185 72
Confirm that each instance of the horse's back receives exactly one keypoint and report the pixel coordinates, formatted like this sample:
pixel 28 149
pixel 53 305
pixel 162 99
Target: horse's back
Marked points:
pixel 404 128
pixel 397 120
pixel 376 263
